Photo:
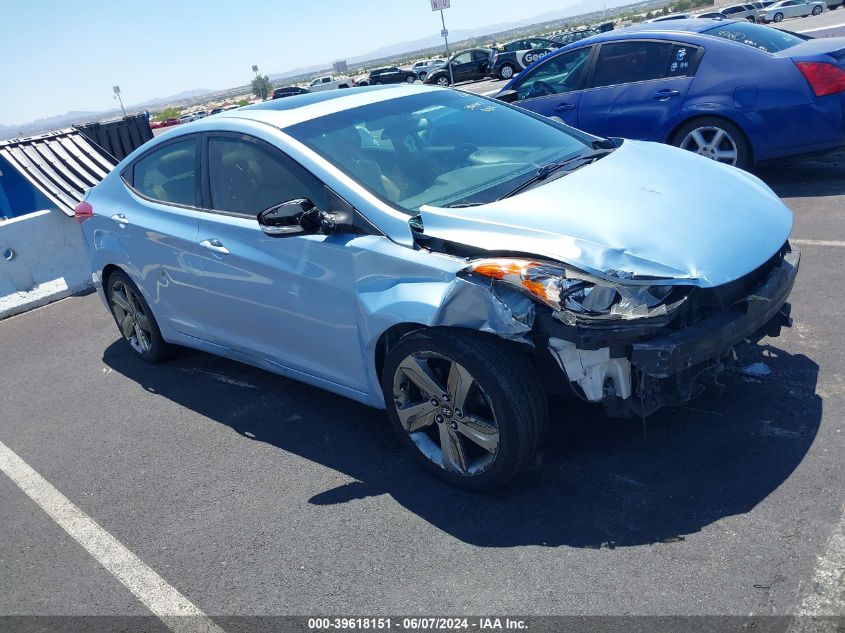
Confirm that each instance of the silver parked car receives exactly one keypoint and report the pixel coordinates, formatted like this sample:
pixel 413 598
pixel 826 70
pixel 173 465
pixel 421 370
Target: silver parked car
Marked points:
pixel 445 256
pixel 423 67
pixel 748 12
pixel 791 9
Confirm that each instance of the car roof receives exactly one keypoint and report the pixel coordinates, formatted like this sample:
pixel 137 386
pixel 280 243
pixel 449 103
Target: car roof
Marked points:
pixel 689 25
pixel 304 107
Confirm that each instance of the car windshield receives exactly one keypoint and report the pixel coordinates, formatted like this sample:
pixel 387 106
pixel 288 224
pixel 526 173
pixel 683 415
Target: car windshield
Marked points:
pixel 441 148
pixel 756 36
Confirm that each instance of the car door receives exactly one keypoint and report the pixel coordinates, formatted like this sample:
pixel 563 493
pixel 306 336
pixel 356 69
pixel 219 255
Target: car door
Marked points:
pixel 157 229
pixel 637 88
pixel 553 87
pixel 480 61
pixel 463 66
pixel 289 301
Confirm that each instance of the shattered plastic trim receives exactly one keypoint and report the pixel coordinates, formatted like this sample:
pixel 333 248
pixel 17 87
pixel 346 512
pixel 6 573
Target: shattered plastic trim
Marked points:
pixel 591 368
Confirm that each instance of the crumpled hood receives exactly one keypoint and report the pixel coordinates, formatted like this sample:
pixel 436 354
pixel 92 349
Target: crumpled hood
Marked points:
pixel 647 209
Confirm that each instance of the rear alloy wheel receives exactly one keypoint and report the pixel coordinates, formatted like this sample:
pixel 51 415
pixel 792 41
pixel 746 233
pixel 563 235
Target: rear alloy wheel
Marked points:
pixel 817 10
pixel 135 319
pixel 716 139
pixel 422 76
pixel 442 80
pixel 465 404
pixel 506 71
pixel 410 79
pixel 778 17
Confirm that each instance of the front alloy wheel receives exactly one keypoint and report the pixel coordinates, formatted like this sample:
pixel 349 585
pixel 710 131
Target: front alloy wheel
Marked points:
pixel 467 405
pixel 442 81
pixel 446 413
pixel 506 71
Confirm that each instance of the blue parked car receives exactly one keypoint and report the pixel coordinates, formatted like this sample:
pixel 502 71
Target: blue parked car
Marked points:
pixel 445 256
pixel 735 92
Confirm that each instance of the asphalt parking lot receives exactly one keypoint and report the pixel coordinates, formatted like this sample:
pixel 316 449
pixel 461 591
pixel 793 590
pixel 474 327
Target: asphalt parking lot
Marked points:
pixel 254 495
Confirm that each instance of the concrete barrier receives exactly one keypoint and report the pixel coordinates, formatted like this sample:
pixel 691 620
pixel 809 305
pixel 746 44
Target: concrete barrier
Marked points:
pixel 42 259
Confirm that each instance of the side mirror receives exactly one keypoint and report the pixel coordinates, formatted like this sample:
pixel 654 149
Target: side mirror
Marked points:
pixel 294 217
pixel 508 96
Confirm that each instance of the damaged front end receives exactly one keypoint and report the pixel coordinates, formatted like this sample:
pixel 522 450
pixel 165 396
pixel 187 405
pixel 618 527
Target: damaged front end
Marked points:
pixel 637 344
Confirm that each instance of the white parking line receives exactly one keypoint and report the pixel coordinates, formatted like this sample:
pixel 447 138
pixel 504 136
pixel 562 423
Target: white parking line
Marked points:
pixel 823 28
pixel 824 597
pixel 817 242
pixel 178 613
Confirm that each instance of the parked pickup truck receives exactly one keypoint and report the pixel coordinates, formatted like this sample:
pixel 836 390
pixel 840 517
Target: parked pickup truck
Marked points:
pixel 330 82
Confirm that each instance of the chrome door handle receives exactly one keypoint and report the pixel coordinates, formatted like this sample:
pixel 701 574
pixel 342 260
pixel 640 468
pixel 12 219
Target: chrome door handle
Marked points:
pixel 665 95
pixel 215 246
pixel 120 219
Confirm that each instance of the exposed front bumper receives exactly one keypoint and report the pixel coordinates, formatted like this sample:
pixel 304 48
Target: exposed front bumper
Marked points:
pixel 763 313
pixel 669 367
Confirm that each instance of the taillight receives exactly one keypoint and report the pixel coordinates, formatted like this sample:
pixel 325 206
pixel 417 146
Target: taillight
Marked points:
pixel 83 211
pixel 824 79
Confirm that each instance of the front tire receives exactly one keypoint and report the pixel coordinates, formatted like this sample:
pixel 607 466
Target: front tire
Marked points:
pixel 134 318
pixel 715 138
pixel 410 79
pixel 468 407
pixel 442 81
pixel 817 10
pixel 778 17
pixel 422 76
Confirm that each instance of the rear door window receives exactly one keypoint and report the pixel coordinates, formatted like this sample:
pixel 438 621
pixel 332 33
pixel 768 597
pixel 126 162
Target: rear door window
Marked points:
pixel 169 174
pixel 631 62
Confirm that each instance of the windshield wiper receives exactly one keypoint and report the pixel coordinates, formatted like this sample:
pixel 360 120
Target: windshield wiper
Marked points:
pixel 546 170
pixel 461 205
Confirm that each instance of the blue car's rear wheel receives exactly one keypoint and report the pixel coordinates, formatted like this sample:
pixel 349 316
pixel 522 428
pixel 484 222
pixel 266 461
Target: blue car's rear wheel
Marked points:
pixel 715 138
pixel 465 404
pixel 135 319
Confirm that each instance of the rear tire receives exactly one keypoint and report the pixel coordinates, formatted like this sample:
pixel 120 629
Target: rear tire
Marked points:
pixel 715 138
pixel 422 76
pixel 134 319
pixel 442 81
pixel 817 10
pixel 506 71
pixel 410 79
pixel 778 17
pixel 473 394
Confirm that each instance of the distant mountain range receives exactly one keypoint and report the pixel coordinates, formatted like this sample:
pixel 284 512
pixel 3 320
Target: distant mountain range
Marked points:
pixel 70 118
pixel 80 116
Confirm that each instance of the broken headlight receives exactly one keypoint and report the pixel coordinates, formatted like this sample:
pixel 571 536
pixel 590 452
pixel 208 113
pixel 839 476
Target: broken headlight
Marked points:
pixel 576 293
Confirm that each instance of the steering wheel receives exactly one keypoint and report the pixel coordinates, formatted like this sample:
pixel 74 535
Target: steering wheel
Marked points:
pixel 463 151
pixel 541 89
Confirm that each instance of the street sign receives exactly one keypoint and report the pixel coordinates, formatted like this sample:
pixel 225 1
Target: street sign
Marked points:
pixel 444 33
pixel 116 89
pixel 439 5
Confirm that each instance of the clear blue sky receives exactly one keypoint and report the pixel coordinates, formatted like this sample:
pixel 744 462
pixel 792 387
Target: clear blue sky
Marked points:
pixel 61 55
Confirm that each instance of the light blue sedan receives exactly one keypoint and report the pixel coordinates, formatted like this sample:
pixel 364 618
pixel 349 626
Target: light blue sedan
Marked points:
pixel 448 257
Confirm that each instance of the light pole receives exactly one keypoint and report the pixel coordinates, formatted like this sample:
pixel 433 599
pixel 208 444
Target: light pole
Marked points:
pixel 116 90
pixel 439 5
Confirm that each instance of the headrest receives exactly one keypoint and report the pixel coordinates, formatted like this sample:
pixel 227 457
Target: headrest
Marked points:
pixel 177 163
